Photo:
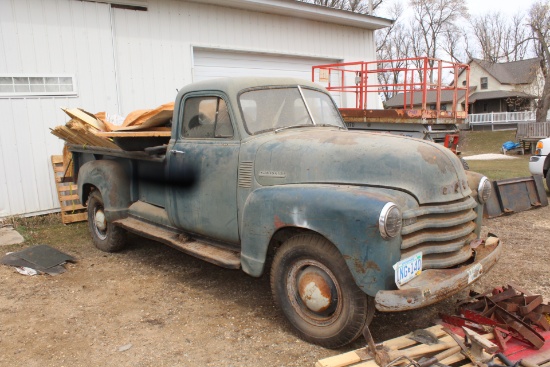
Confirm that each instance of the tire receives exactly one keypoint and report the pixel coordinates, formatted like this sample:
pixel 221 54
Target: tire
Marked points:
pixel 105 236
pixel 333 322
pixel 548 180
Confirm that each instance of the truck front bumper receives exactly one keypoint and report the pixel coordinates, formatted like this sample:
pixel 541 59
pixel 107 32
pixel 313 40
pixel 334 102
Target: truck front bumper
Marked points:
pixel 434 285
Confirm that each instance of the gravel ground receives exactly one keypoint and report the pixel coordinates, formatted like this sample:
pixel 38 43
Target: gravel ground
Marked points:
pixel 150 305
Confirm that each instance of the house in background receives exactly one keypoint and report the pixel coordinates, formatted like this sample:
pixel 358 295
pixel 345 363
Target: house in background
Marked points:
pixel 503 87
pixel 505 93
pixel 121 55
pixel 499 93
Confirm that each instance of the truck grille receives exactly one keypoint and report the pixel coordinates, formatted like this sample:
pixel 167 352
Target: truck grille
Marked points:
pixel 443 233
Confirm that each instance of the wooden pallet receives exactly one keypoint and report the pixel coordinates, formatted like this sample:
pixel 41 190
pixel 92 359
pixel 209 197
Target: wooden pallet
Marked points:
pixel 71 208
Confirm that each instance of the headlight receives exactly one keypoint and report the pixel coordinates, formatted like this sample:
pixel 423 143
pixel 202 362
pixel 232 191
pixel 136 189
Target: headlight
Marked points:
pixel 390 221
pixel 484 190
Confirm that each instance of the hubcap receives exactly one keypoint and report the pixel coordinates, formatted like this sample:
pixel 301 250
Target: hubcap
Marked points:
pixel 314 289
pixel 100 223
pixel 314 292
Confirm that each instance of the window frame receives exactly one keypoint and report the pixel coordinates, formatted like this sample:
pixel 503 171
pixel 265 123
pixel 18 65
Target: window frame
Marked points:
pixel 270 87
pixel 205 95
pixel 484 83
pixel 14 94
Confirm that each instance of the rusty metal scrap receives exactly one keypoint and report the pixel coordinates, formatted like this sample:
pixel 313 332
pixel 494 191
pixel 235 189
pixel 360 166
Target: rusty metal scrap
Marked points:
pixel 511 311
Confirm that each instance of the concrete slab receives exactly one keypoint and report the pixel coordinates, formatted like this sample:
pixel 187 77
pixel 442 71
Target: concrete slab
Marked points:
pixel 9 236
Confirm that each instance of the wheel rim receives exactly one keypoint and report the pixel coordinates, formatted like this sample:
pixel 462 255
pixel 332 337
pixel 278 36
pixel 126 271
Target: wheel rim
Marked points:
pixel 314 292
pixel 100 223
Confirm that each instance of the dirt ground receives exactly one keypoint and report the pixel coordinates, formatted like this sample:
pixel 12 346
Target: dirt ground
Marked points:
pixel 151 305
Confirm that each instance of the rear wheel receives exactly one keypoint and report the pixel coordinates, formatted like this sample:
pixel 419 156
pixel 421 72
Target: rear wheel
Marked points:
pixel 314 288
pixel 105 236
pixel 548 180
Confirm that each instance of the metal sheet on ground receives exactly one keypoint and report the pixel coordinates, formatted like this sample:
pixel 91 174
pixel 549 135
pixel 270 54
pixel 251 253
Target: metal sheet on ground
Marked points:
pixel 44 256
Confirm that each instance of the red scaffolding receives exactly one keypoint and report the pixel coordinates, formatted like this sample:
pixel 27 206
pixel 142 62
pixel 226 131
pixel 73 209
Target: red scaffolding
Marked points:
pixel 420 85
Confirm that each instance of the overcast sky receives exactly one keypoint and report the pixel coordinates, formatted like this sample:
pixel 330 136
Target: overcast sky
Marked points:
pixel 507 7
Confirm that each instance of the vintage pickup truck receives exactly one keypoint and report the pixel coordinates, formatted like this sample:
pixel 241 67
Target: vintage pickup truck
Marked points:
pixel 262 173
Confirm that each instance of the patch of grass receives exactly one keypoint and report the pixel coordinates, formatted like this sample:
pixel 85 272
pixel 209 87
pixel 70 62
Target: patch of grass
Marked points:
pixel 483 142
pixel 47 229
pixel 499 169
pixel 33 222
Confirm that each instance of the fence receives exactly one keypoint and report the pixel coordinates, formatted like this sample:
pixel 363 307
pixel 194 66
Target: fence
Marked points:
pixel 500 120
pixel 534 130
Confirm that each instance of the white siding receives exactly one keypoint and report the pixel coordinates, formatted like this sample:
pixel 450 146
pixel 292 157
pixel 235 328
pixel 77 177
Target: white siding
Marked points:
pixel 47 37
pixel 154 48
pixel 152 57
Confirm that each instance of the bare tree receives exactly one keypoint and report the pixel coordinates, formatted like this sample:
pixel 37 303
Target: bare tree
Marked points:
pixel 434 20
pixel 539 21
pixel 455 44
pixel 392 46
pixel 499 39
pixel 356 6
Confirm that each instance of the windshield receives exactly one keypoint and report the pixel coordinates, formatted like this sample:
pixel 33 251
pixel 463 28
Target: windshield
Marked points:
pixel 276 108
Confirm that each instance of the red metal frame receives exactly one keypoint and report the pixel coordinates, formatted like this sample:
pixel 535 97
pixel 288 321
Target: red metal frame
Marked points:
pixel 415 79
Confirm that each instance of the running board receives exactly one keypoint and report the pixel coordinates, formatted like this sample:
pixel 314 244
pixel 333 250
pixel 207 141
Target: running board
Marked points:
pixel 216 255
pixel 516 195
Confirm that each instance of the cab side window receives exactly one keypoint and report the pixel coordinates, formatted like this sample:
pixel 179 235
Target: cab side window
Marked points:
pixel 206 118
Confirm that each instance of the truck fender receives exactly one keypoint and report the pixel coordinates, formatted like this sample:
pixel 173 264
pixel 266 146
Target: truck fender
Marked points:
pixel 345 215
pixel 546 166
pixel 112 181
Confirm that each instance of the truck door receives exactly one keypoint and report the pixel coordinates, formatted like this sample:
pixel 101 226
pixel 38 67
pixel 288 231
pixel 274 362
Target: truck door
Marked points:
pixel 202 170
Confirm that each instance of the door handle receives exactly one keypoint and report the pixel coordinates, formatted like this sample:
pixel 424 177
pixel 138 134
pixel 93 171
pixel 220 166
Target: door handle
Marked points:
pixel 174 151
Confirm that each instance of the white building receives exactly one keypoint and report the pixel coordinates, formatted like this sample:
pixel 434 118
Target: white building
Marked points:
pixel 118 56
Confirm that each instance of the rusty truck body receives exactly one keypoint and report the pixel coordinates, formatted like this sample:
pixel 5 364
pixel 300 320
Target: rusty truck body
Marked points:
pixel 264 171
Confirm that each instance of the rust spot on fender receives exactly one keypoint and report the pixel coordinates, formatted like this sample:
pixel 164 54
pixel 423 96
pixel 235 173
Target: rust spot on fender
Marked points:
pixel 372 265
pixel 433 156
pixel 278 222
pixel 360 267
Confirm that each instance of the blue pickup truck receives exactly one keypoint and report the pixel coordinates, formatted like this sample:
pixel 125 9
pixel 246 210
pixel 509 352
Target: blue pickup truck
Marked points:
pixel 262 173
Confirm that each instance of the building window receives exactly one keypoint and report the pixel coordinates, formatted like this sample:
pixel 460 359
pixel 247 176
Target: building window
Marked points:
pixel 484 81
pixel 37 85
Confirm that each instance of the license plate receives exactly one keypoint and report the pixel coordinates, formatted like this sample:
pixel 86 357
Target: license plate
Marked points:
pixel 408 268
pixel 474 272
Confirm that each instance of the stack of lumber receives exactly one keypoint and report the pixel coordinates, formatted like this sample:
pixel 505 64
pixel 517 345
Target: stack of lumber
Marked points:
pixel 85 128
pixel 147 119
pixel 82 129
pixel 79 133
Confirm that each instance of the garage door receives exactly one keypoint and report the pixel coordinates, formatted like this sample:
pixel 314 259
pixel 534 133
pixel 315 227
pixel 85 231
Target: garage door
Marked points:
pixel 214 64
pixel 210 64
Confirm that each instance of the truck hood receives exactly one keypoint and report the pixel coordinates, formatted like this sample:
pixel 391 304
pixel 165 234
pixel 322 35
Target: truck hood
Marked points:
pixel 428 171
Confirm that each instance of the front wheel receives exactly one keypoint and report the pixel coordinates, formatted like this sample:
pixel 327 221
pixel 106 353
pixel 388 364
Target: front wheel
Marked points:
pixel 105 236
pixel 314 288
